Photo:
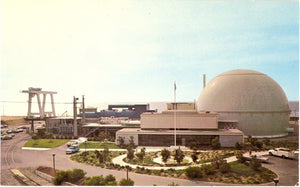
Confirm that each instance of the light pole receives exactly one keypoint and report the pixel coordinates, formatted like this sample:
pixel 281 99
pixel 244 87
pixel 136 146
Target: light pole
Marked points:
pixel 127 167
pixel 53 154
pixel 276 180
pixel 85 147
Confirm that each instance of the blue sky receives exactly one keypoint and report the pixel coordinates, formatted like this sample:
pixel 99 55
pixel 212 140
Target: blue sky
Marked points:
pixel 133 51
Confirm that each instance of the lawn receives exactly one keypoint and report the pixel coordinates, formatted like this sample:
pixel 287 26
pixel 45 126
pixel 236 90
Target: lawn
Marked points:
pixel 45 143
pixel 97 145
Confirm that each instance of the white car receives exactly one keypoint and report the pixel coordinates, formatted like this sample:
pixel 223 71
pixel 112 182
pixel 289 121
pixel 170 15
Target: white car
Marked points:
pixel 72 149
pixel 284 153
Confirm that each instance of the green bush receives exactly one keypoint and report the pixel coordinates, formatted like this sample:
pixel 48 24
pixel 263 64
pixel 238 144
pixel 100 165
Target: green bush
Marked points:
pixel 215 143
pixel 194 172
pixel 125 182
pixel 68 175
pixel 94 181
pixel 238 146
pixel 60 177
pixel 35 137
pixel 240 157
pixel 208 169
pixel 255 163
pixel 165 155
pixel 76 175
pixel 224 167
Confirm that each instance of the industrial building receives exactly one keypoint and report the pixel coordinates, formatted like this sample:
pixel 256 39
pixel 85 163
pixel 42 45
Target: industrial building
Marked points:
pixel 133 111
pixel 233 105
pixel 184 122
pixel 253 99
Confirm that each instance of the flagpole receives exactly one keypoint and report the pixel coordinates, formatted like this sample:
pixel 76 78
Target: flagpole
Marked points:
pixel 175 107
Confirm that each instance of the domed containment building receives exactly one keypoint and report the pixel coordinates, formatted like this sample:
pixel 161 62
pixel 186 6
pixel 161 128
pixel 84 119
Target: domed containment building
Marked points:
pixel 252 99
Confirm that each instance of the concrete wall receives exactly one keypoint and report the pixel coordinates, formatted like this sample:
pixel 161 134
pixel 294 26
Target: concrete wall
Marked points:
pixel 230 140
pixel 126 136
pixel 166 121
pixel 181 106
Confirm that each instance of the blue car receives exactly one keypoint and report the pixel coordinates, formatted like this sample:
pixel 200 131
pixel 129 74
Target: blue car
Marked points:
pixel 72 149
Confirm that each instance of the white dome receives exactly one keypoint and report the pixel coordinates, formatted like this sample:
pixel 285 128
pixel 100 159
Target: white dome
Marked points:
pixel 253 98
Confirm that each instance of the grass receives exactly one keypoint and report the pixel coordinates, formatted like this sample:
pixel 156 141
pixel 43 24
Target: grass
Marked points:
pixel 97 145
pixel 242 174
pixel 45 143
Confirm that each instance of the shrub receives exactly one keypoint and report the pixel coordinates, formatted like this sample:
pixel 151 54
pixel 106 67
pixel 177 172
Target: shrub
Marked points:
pixel 121 141
pixel 130 153
pixel 35 137
pixel 193 172
pixel 208 169
pixel 238 146
pixel 255 163
pixel 110 180
pixel 224 166
pixel 194 157
pixel 60 177
pixel 178 155
pixel 94 181
pixel 125 182
pixel 239 156
pixel 215 143
pixel 76 175
pixel 165 155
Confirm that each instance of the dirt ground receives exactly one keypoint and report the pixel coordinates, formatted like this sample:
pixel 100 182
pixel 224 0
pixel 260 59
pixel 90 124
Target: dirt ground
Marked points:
pixel 13 120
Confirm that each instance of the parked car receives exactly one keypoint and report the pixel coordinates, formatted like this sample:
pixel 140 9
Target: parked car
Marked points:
pixel 259 157
pixel 72 149
pixel 15 131
pixel 284 153
pixel 6 137
pixel 22 127
pixel 20 130
pixel 9 131
pixel 72 142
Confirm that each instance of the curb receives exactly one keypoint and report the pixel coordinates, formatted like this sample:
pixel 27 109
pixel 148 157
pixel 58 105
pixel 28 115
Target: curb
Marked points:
pixel 35 149
pixel 17 173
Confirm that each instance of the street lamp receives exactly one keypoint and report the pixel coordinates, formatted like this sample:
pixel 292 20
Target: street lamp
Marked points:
pixel 276 180
pixel 85 147
pixel 127 167
pixel 53 154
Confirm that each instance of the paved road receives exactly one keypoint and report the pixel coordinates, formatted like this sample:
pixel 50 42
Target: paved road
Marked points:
pixel 33 158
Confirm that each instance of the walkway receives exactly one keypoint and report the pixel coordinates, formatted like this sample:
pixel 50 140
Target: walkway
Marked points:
pixel 119 160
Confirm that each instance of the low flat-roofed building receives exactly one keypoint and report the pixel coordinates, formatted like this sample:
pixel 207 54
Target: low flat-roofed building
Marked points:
pixel 158 129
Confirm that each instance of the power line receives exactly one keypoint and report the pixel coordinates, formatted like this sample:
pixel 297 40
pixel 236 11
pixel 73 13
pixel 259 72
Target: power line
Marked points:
pixel 34 102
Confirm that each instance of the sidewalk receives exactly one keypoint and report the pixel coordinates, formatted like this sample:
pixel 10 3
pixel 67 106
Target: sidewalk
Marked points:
pixel 119 160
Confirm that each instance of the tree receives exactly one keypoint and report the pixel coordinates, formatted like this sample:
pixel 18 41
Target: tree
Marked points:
pixel 141 154
pixel 101 136
pixel 238 146
pixel 224 166
pixel 121 141
pixel 105 153
pixel 125 182
pixel 130 153
pixel 255 163
pixel 131 142
pixel 178 155
pixel 215 143
pixel 165 155
pixel 194 156
pixel 216 159
pixel 240 157
pixel 101 157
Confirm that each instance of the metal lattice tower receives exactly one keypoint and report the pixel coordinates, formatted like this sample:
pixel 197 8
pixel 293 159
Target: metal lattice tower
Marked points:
pixel 37 92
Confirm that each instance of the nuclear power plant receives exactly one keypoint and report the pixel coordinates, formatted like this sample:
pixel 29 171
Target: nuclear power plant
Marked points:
pixel 232 106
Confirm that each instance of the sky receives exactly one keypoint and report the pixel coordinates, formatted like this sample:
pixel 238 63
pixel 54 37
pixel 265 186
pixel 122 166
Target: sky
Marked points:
pixel 133 51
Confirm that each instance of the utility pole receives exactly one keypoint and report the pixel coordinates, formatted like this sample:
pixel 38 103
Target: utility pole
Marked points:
pixel 75 115
pixel 83 110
